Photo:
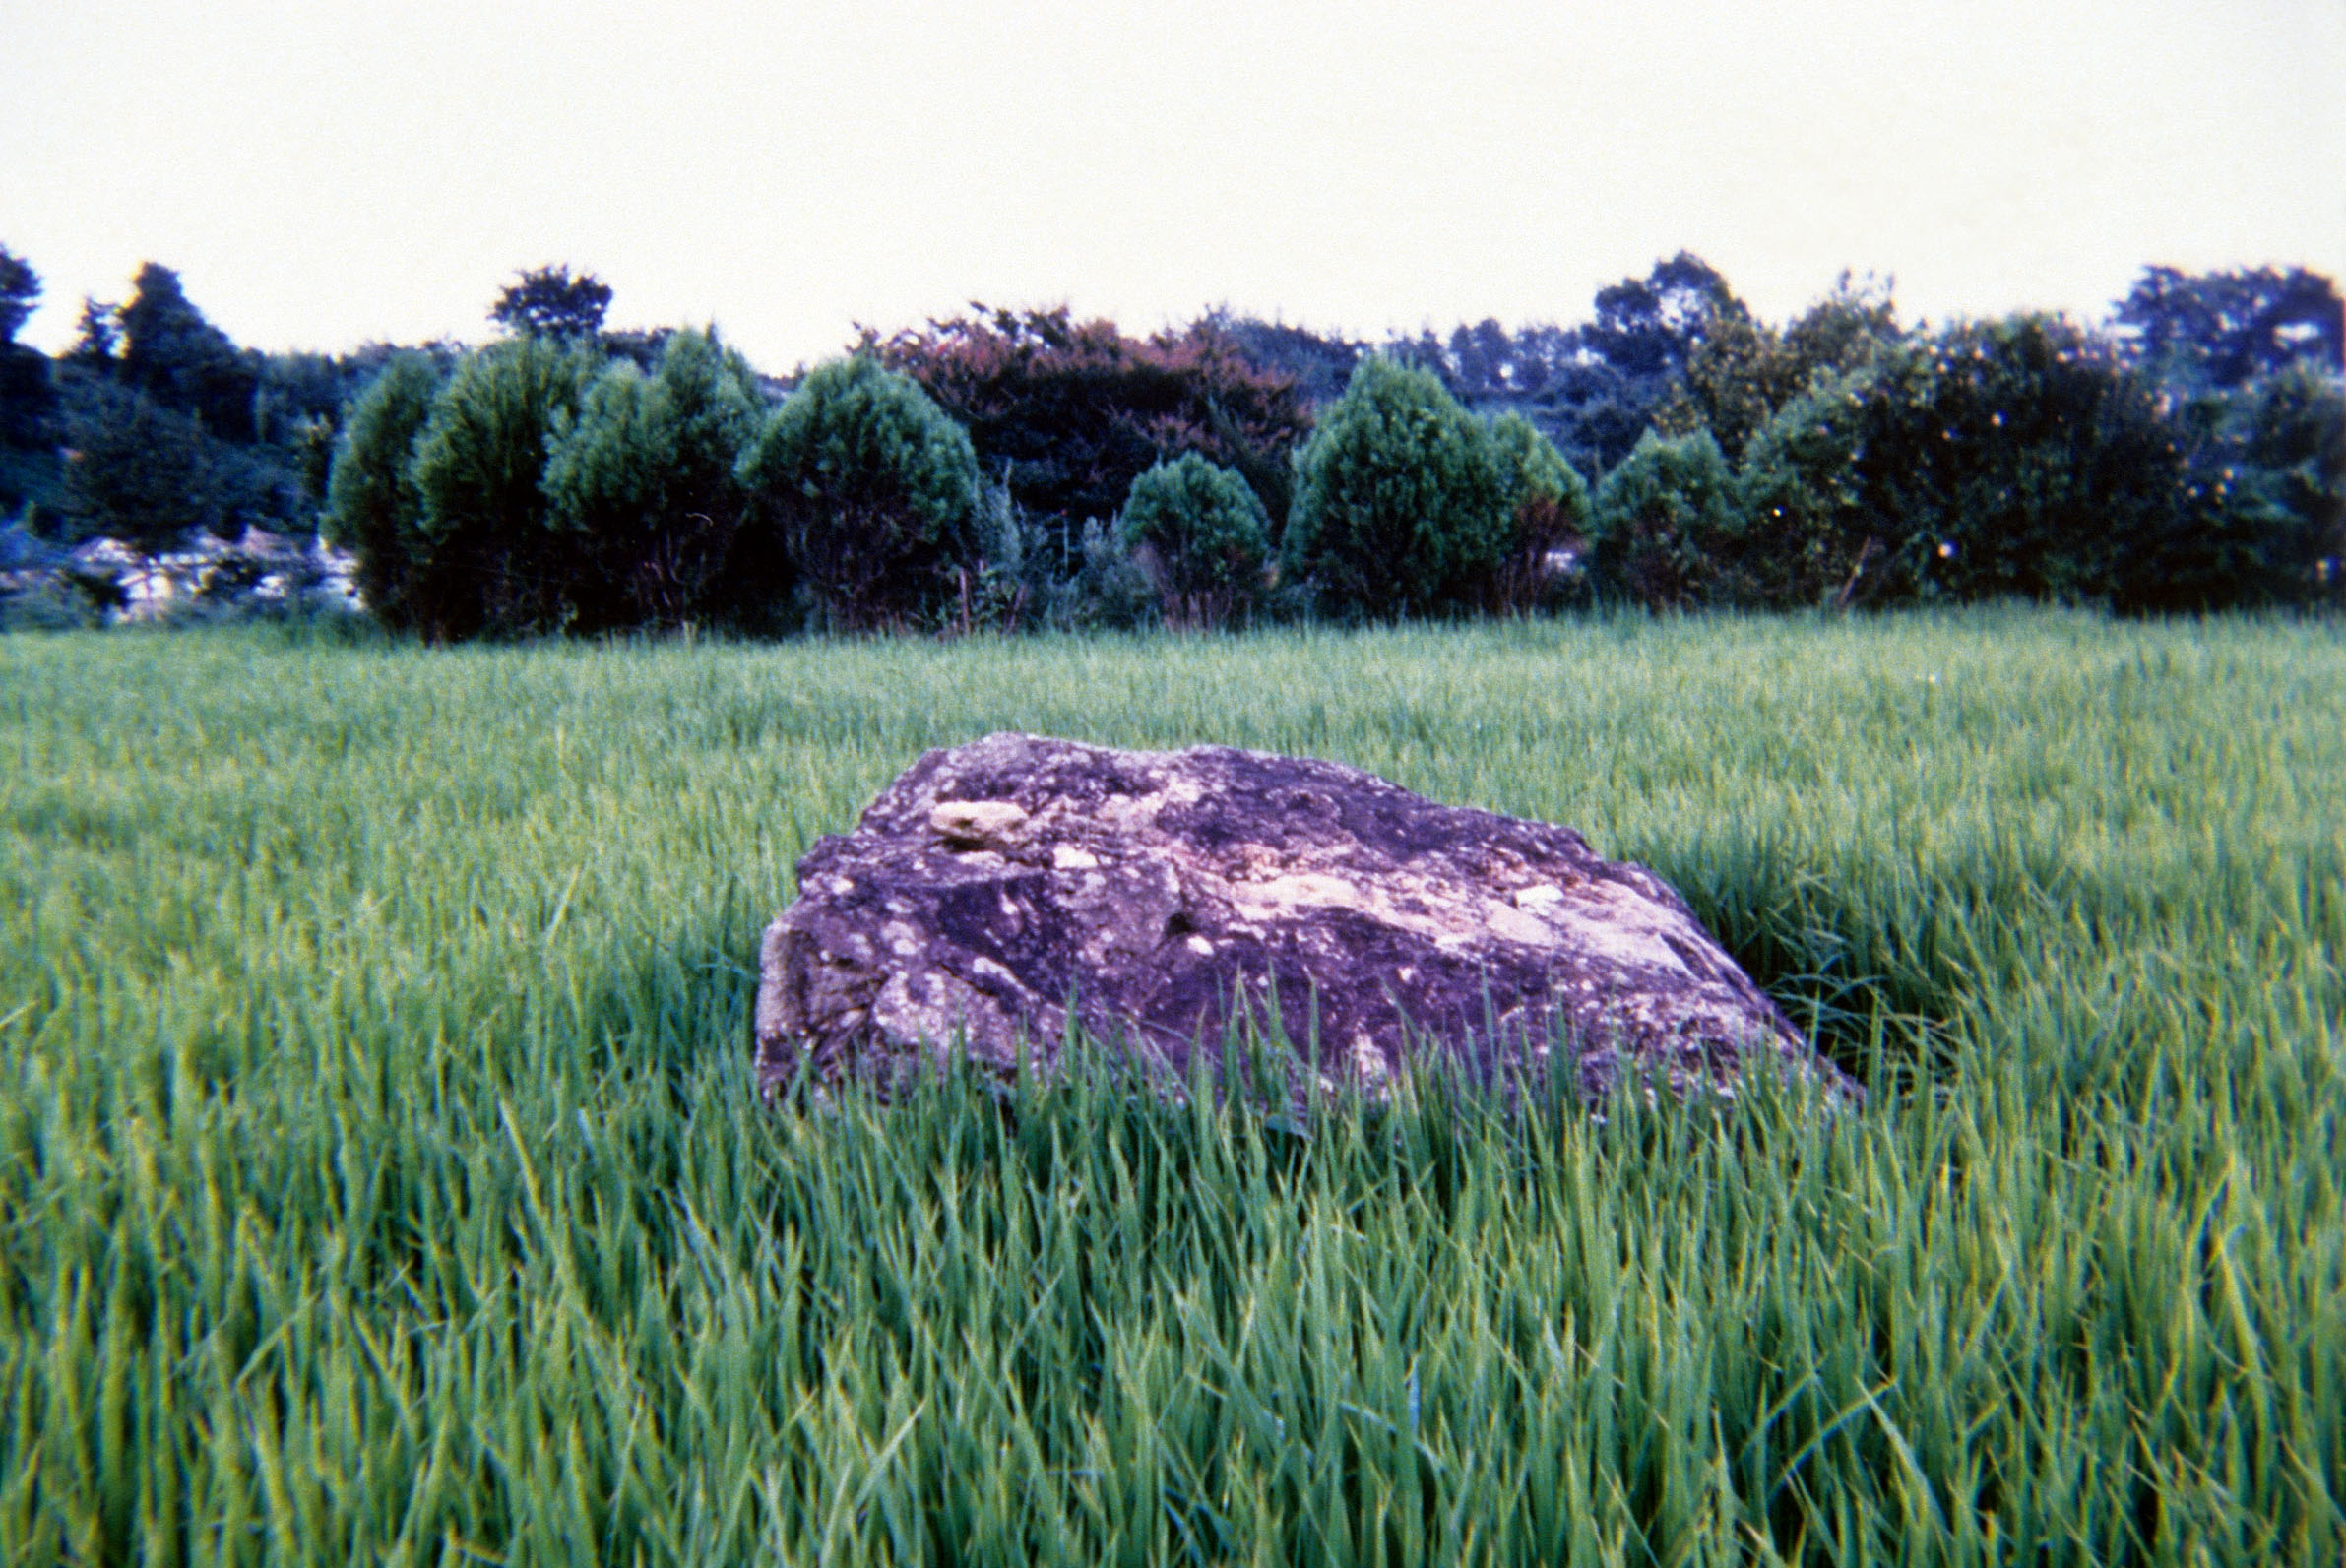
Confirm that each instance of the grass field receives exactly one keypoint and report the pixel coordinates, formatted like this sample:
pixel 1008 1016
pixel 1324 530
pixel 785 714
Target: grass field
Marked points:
pixel 381 1178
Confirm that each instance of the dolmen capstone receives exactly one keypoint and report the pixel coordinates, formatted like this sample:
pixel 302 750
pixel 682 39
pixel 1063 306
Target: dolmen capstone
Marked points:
pixel 1164 895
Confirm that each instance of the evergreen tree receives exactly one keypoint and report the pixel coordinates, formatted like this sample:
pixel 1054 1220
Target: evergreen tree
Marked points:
pixel 1205 536
pixel 97 338
pixel 1667 526
pixel 1401 507
pixel 547 302
pixel 27 397
pixel 170 352
pixel 499 564
pixel 1548 511
pixel 136 472
pixel 374 509
pixel 645 478
pixel 871 491
pixel 19 291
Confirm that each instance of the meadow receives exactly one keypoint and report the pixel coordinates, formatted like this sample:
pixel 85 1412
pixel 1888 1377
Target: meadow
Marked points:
pixel 382 1178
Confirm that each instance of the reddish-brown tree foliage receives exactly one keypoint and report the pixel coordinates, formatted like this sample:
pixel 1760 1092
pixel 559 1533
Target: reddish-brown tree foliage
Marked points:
pixel 1071 412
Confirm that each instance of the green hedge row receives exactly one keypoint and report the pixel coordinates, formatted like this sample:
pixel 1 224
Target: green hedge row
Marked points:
pixel 540 487
pixel 2009 459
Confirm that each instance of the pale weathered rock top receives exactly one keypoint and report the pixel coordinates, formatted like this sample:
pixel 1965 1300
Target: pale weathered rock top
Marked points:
pixel 993 883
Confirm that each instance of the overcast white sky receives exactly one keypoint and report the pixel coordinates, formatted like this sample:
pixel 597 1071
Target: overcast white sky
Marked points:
pixel 322 173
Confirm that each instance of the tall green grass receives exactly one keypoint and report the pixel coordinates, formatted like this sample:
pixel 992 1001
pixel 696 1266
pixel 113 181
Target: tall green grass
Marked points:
pixel 381 1177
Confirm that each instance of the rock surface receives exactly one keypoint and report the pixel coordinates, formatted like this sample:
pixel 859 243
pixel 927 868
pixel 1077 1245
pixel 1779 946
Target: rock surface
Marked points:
pixel 992 884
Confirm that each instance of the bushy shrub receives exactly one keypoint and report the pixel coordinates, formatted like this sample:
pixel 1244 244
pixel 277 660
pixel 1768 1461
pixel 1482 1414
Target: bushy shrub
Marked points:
pixel 1105 590
pixel 135 471
pixel 50 604
pixel 1548 512
pixel 1667 526
pixel 37 594
pixel 497 564
pixel 373 509
pixel 2295 444
pixel 872 493
pixel 644 478
pixel 1400 506
pixel 1068 413
pixel 2031 461
pixel 1744 372
pixel 1206 534
pixel 2015 458
pixel 2265 522
pixel 1818 526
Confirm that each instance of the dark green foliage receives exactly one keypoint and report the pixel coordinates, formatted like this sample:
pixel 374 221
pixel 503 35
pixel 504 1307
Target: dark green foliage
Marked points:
pixel 154 416
pixel 373 508
pixel 644 478
pixel 2015 458
pixel 19 291
pixel 499 564
pixel 297 390
pixel 547 302
pixel 2294 443
pixel 27 465
pixel 2266 519
pixel 27 405
pixel 1401 507
pixel 1845 329
pixel 1737 378
pixel 1828 521
pixel 1207 535
pixel 1822 524
pixel 2195 462
pixel 1593 389
pixel 170 352
pixel 2221 329
pixel 2021 458
pixel 136 472
pixel 871 492
pixel 540 488
pixel 1649 327
pixel 1742 371
pixel 1108 591
pixel 31 483
pixel 1667 526
pixel 1548 510
pixel 97 338
pixel 2246 365
pixel 639 347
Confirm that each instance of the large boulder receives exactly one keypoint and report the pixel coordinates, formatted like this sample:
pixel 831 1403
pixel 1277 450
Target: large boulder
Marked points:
pixel 995 886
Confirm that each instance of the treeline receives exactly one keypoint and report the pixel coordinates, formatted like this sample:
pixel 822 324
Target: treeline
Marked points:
pixel 1015 469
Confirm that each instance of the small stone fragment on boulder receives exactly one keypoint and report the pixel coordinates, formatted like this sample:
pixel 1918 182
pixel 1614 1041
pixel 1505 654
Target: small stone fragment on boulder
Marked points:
pixel 1165 894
